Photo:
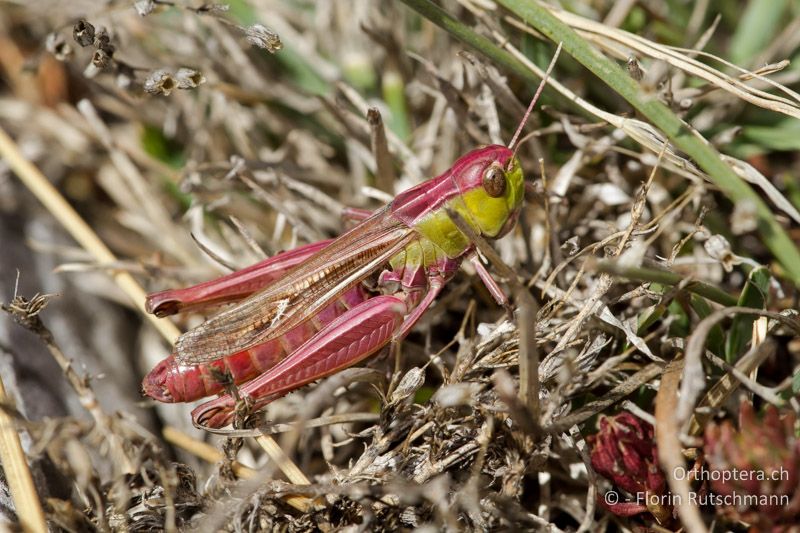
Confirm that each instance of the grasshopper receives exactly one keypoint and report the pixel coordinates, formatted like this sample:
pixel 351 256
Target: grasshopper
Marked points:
pixel 306 313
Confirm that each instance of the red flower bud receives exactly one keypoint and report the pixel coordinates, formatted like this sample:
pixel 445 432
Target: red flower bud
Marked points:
pixel 625 453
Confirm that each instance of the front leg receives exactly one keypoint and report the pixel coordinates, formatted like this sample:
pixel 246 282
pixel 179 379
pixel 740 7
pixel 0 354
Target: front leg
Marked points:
pixel 489 282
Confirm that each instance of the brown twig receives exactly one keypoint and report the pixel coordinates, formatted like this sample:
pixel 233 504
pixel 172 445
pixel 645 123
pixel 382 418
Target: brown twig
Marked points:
pixel 385 175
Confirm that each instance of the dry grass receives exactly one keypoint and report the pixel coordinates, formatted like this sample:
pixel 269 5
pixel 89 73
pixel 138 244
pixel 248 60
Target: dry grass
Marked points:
pixel 192 140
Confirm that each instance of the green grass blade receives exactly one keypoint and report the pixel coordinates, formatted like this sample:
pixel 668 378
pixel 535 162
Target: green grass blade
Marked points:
pixel 753 295
pixel 760 23
pixel 686 139
pixel 665 277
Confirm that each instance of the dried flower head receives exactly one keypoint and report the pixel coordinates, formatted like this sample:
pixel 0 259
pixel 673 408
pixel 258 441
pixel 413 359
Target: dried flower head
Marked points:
pixel 757 468
pixel 262 37
pixel 719 248
pixel 624 452
pixel 58 46
pixel 101 59
pixel 189 78
pixel 102 41
pixel 160 81
pixel 83 33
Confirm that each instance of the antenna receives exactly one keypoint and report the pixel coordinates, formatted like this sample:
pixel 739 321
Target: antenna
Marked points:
pixel 513 142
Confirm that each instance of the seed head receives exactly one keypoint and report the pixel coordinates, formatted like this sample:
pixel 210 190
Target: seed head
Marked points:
pixel 262 37
pixel 160 81
pixel 189 78
pixel 58 46
pixel 83 33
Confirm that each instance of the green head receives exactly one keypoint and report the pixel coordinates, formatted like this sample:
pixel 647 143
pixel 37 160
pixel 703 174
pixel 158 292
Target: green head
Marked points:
pixel 485 186
pixel 492 189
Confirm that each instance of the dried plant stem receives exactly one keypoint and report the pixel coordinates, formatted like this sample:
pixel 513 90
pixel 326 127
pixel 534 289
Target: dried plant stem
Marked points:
pixel 322 421
pixel 26 313
pixel 694 377
pixel 17 473
pixel 605 281
pixel 203 450
pixel 284 463
pixel 385 175
pixel 38 184
pixel 722 389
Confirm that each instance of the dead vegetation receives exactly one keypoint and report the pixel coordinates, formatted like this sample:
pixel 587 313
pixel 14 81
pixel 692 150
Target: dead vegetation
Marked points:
pixel 197 139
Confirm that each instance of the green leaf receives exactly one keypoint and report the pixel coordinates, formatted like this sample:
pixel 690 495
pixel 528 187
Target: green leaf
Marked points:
pixel 754 294
pixel 424 394
pixel 302 72
pixel 680 323
pixel 782 136
pixel 665 277
pixel 650 317
pixel 758 26
pixel 160 147
pixel 792 188
pixel 167 151
pixel 394 94
pixel 716 337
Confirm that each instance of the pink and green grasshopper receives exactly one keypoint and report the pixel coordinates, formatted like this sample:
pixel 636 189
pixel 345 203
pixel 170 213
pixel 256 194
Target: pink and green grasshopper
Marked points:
pixel 305 314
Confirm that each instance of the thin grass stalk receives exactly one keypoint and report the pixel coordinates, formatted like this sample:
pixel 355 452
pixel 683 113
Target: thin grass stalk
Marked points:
pixel 18 473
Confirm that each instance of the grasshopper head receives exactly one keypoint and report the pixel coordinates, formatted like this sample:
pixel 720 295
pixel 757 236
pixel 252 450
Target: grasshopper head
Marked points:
pixel 492 188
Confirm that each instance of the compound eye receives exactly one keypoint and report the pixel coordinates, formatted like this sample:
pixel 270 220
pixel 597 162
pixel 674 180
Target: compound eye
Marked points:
pixel 494 182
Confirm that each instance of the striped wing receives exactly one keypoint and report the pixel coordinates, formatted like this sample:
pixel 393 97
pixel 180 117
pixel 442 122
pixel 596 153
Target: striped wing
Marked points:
pixel 302 293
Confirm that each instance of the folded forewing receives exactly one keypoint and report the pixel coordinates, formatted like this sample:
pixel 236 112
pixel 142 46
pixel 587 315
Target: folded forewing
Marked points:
pixel 302 293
